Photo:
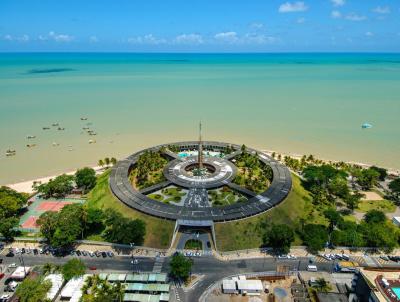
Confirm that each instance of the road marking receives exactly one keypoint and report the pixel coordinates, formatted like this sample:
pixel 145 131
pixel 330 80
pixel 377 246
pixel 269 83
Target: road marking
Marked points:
pixel 158 265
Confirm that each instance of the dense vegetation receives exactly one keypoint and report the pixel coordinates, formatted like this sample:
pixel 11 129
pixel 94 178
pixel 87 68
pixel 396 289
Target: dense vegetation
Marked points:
pixel 62 185
pixel 180 267
pixel 11 203
pixel 252 173
pixel 33 290
pixel 148 170
pixel 77 222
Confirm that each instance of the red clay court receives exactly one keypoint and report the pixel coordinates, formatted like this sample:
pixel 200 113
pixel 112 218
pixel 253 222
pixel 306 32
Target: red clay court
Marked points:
pixel 30 223
pixel 53 206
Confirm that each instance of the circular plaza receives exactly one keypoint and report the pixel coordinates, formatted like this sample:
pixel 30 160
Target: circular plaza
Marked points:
pixel 200 181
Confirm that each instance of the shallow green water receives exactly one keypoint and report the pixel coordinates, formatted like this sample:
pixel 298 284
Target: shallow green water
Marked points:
pixel 297 103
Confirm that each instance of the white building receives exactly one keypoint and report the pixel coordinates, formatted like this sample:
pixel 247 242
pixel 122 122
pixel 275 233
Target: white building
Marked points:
pixel 56 284
pixel 250 286
pixel 72 290
pixel 396 220
pixel 20 272
pixel 229 286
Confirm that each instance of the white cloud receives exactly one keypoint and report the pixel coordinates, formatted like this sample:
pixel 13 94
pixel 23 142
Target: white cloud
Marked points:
pixel 93 39
pixel 23 38
pixel 253 38
pixel 60 37
pixel 355 17
pixel 290 7
pixel 147 39
pixel 335 14
pixel 369 34
pixel 256 25
pixel 230 37
pixel 338 2
pixel 193 39
pixel 381 10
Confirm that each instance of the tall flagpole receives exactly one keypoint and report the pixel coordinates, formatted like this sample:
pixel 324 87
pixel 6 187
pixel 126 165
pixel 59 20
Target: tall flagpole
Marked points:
pixel 200 155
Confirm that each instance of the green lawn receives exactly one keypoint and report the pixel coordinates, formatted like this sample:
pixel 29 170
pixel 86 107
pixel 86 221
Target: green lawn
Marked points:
pixel 224 197
pixel 168 195
pixel 158 231
pixel 248 233
pixel 385 206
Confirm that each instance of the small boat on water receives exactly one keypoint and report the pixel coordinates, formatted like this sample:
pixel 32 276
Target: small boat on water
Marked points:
pixel 46 128
pixel 31 136
pixel 70 149
pixel 92 141
pixel 92 133
pixel 85 128
pixel 83 118
pixel 55 124
pixel 11 152
pixel 60 128
pixel 31 145
pixel 55 144
pixel 366 126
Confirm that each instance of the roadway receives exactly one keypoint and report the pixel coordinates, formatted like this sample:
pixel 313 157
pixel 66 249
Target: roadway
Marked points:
pixel 212 268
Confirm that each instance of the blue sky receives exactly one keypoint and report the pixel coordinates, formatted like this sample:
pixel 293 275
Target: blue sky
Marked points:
pixel 200 25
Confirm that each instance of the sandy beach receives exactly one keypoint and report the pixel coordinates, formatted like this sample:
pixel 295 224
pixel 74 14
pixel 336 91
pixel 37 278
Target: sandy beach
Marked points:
pixel 26 186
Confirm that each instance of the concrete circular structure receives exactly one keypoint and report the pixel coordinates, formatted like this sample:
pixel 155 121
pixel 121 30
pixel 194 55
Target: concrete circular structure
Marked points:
pixel 221 173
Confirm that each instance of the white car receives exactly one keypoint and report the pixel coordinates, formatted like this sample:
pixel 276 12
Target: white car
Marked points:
pixel 12 265
pixel 4 298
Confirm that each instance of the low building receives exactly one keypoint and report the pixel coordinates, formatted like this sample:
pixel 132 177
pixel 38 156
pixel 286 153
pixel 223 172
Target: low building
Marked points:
pixel 56 284
pixel 249 286
pixel 229 286
pixel 396 220
pixel 20 272
pixel 331 297
pixel 72 290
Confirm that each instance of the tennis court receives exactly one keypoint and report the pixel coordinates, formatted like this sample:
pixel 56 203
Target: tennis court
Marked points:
pixel 38 207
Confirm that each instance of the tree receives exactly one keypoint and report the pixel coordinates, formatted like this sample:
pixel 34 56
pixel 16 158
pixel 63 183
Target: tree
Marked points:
pixel 367 178
pixel 63 228
pixel 96 289
pixel 322 285
pixel 57 187
pixel 315 236
pixel 338 187
pixel 72 269
pixel 100 163
pixel 180 267
pixel 123 230
pixel 375 216
pixel 279 237
pixel 107 161
pixel 7 226
pixel 333 217
pixel 381 235
pixel 352 200
pixel 85 178
pixel 394 186
pixel 382 172
pixel 94 219
pixel 33 290
pixel 9 205
pixel 113 161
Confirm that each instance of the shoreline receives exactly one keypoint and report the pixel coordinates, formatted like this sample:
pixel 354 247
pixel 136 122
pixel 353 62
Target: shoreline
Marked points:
pixel 26 186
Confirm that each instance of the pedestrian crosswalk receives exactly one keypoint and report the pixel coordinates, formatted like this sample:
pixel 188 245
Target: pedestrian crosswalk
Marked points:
pixel 158 264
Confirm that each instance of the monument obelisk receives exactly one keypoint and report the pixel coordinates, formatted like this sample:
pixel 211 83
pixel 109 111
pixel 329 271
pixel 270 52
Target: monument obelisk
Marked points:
pixel 200 150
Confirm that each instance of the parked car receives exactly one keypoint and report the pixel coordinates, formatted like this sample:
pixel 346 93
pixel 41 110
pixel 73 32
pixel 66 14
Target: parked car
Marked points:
pixel 1 276
pixel 10 254
pixel 385 258
pixel 97 253
pixel 91 254
pixel 110 254
pixel 78 253
pixel 12 265
pixel 4 297
pixel 104 254
pixel 84 253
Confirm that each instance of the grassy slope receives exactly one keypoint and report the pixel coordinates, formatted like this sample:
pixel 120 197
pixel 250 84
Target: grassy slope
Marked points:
pixel 247 233
pixel 385 206
pixel 158 231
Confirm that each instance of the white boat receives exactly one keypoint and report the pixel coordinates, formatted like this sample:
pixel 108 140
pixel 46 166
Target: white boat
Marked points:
pixel 31 136
pixel 11 152
pixel 92 141
pixel 55 144
pixel 366 126
pixel 83 118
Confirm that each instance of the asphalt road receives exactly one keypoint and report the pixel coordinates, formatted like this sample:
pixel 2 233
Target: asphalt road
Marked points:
pixel 212 268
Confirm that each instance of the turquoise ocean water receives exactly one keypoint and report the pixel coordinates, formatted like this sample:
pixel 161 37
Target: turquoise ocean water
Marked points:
pixel 296 103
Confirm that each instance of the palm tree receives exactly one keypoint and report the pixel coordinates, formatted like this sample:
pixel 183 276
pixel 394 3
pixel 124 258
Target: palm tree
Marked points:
pixel 101 163
pixel 321 285
pixel 107 161
pixel 113 160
